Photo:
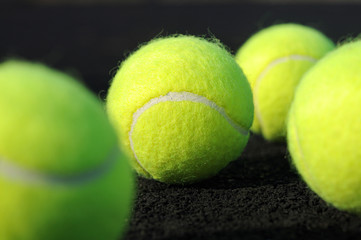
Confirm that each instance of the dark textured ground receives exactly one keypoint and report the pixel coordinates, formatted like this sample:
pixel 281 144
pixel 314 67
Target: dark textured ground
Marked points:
pixel 258 196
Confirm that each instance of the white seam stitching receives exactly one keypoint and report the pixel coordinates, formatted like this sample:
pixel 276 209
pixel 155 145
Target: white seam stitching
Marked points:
pixel 265 71
pixel 16 172
pixel 178 97
pixel 303 158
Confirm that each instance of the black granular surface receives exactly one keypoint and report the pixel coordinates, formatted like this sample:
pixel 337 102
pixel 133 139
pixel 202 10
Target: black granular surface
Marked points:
pixel 259 196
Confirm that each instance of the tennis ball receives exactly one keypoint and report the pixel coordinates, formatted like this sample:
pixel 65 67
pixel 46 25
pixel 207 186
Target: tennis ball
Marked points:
pixel 274 61
pixel 324 127
pixel 61 173
pixel 182 108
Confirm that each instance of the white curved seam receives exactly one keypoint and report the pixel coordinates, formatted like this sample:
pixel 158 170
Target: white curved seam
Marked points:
pixel 298 143
pixel 179 97
pixel 305 164
pixel 266 70
pixel 15 172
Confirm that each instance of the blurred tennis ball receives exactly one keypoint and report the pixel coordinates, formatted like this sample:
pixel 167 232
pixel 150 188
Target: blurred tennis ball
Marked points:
pixel 61 173
pixel 324 128
pixel 274 60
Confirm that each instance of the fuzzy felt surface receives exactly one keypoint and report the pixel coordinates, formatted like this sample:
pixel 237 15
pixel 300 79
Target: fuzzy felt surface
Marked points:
pixel 188 134
pixel 58 167
pixel 172 137
pixel 274 60
pixel 41 105
pixel 324 127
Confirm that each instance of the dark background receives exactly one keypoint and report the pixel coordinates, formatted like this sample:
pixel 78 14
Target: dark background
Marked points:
pixel 259 196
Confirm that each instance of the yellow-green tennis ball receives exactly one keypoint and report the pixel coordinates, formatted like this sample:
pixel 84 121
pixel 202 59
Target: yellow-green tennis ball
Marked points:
pixel 61 173
pixel 274 61
pixel 182 107
pixel 324 128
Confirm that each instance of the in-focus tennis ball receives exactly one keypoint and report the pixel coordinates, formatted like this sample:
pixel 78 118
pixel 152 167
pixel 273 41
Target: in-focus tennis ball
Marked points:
pixel 274 61
pixel 61 175
pixel 182 107
pixel 324 128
